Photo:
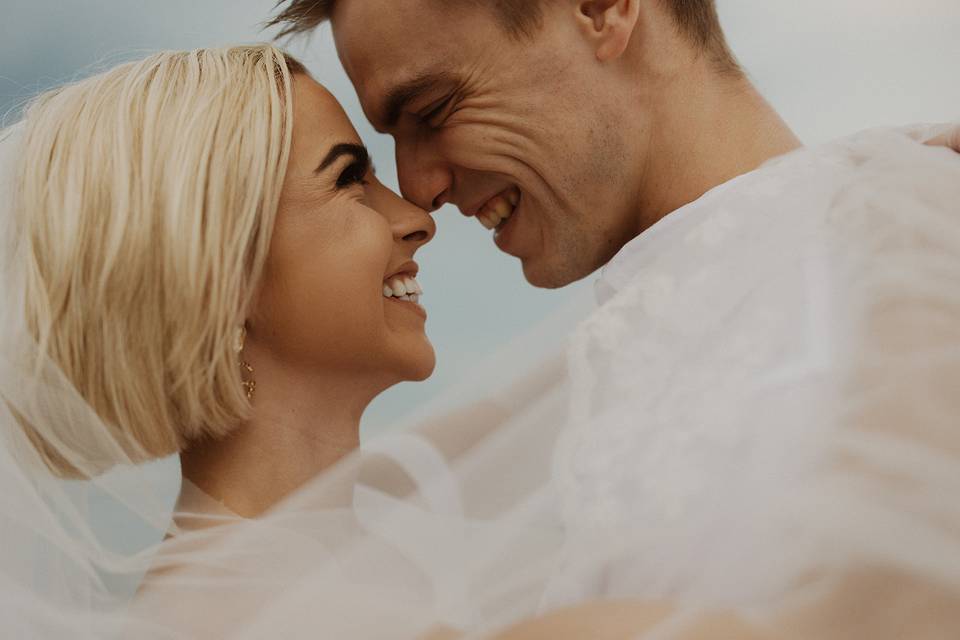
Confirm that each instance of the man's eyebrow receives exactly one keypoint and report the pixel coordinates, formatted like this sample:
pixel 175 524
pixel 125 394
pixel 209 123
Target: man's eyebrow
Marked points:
pixel 358 151
pixel 403 94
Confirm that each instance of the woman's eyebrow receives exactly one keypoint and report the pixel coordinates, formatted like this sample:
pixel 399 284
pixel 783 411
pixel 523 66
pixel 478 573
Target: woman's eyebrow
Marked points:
pixel 358 151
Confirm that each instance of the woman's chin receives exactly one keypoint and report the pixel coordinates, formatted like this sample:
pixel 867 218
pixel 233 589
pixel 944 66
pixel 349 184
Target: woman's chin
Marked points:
pixel 425 368
pixel 411 359
pixel 420 364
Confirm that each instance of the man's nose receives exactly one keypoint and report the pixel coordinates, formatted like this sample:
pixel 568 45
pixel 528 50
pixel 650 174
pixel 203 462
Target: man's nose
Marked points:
pixel 425 178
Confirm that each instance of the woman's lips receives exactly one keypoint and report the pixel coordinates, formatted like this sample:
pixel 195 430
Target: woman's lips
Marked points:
pixel 409 305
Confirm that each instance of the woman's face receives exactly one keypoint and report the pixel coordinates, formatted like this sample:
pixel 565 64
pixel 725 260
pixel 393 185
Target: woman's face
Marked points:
pixel 336 295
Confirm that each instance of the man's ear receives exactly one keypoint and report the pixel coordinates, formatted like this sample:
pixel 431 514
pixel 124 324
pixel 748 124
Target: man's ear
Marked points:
pixel 609 25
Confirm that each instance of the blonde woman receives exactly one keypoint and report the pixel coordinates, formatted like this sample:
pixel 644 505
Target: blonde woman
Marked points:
pixel 209 258
pixel 197 259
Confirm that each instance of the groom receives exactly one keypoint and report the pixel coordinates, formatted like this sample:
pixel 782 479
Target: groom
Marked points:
pixel 570 127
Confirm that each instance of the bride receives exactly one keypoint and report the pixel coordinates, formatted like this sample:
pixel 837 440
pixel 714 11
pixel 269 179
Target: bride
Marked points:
pixel 199 260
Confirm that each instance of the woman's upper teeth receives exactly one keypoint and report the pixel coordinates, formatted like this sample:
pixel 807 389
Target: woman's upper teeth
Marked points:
pixel 499 208
pixel 403 287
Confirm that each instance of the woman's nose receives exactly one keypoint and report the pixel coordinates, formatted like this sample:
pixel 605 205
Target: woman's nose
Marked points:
pixel 414 226
pixel 410 224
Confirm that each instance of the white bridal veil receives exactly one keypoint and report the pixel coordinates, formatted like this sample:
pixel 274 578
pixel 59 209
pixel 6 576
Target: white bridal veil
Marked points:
pixel 737 428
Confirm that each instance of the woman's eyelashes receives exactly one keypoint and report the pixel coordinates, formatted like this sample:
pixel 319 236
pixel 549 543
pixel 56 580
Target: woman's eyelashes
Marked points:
pixel 355 173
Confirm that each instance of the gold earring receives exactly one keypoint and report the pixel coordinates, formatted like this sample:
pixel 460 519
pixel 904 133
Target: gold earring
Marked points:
pixel 249 384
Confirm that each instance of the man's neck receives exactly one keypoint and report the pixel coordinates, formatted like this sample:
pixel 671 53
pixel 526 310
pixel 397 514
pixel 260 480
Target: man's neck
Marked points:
pixel 709 130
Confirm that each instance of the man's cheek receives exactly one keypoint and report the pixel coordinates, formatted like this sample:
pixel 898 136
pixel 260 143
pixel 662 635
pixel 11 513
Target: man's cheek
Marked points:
pixel 481 149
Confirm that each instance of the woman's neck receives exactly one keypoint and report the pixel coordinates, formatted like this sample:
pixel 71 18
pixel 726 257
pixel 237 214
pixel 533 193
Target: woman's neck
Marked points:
pixel 302 424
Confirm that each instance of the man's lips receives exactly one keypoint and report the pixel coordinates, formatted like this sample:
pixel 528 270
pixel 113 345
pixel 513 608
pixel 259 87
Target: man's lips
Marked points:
pixel 506 236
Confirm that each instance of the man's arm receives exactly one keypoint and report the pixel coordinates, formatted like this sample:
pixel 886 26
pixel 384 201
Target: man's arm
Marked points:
pixel 878 605
pixel 950 139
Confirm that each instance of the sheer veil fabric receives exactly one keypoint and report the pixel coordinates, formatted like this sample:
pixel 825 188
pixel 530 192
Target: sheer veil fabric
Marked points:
pixel 67 566
pixel 762 410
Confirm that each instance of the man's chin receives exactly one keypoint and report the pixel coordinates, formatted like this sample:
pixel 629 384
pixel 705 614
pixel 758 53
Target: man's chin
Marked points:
pixel 545 274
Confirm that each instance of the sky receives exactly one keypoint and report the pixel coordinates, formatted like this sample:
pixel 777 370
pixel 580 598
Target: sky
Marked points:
pixel 830 67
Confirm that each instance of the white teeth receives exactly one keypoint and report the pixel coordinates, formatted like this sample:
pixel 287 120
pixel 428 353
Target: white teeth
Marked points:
pixel 403 288
pixel 486 220
pixel 502 208
pixel 499 209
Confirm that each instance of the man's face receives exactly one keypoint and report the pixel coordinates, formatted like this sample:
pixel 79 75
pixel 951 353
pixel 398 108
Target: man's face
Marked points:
pixel 515 131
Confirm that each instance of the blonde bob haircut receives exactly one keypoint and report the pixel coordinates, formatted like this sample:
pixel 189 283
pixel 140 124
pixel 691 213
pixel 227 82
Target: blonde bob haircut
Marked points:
pixel 146 198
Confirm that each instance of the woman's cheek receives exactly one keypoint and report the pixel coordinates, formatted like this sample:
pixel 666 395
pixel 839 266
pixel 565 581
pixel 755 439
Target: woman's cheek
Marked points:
pixel 324 294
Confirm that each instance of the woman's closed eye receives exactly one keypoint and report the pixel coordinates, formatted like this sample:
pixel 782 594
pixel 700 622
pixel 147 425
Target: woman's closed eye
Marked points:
pixel 355 173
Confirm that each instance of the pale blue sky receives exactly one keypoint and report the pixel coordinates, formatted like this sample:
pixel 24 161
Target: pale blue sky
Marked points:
pixel 829 66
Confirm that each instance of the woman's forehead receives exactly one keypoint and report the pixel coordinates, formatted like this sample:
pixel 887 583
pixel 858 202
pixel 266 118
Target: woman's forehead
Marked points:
pixel 318 115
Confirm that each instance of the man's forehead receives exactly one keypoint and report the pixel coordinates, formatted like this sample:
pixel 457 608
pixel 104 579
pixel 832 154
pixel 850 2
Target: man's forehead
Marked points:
pixel 384 29
pixel 385 52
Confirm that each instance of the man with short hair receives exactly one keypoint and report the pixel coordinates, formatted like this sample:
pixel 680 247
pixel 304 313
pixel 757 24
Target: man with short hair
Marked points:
pixel 766 308
pixel 523 113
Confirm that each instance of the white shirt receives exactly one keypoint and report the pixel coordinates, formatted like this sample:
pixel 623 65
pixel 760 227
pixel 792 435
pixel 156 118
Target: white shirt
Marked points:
pixel 767 365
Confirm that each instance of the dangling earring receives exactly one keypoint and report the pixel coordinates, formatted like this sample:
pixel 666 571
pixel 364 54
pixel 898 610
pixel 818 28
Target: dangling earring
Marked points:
pixel 249 384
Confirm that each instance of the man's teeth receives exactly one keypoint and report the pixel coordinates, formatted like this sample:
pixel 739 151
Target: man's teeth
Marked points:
pixel 499 209
pixel 402 288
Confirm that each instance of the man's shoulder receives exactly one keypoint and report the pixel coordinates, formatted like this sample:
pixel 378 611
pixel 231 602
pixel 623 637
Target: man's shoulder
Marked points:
pixel 838 197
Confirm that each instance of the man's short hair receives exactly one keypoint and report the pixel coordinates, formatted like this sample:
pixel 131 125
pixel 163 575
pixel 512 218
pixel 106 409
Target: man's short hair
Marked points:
pixel 302 16
pixel 697 19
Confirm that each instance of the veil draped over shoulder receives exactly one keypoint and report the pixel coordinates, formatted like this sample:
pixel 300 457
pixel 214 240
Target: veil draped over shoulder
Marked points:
pixel 761 416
